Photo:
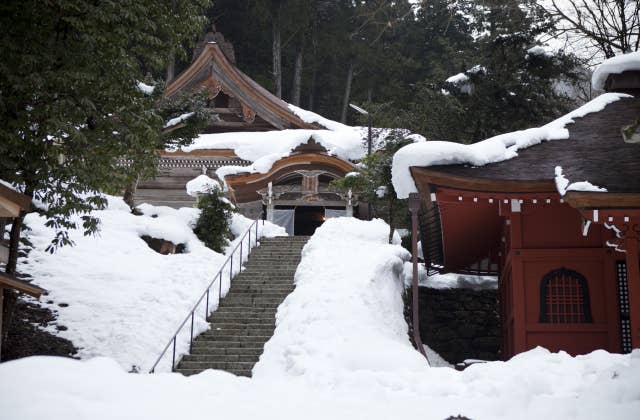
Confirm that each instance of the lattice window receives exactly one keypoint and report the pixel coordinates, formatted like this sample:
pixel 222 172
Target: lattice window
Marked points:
pixel 623 299
pixel 564 298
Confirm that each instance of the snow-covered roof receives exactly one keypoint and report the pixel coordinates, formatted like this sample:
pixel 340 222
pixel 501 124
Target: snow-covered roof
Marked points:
pixel 492 150
pixel 265 148
pixel 458 78
pixel 615 65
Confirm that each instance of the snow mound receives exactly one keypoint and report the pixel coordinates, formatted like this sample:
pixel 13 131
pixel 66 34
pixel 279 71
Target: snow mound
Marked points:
pixel 492 150
pixel 201 184
pixel 124 299
pixel 348 297
pixel 614 65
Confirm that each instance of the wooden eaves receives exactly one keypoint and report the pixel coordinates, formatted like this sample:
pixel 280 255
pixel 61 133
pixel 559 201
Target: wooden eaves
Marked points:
pixel 12 202
pixel 12 282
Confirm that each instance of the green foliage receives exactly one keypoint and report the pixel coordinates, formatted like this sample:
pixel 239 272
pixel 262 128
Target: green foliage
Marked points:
pixel 70 105
pixel 373 182
pixel 212 227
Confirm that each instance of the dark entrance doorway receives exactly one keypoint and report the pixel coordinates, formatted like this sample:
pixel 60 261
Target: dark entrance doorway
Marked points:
pixel 307 220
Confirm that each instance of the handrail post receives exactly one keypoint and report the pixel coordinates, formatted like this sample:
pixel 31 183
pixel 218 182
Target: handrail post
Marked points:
pixel 191 339
pixel 173 359
pixel 206 310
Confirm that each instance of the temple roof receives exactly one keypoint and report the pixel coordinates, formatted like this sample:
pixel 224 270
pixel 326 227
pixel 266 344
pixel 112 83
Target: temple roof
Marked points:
pixel 595 152
pixel 253 107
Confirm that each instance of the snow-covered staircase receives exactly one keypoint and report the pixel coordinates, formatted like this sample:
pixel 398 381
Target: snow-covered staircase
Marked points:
pixel 245 319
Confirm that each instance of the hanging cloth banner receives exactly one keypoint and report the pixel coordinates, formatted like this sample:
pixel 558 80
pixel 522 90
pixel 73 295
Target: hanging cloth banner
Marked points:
pixel 285 218
pixel 329 213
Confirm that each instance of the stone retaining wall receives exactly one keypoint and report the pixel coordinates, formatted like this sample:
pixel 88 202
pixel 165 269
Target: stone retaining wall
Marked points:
pixel 461 324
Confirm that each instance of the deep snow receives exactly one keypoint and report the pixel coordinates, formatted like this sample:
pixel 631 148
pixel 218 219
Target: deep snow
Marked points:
pixel 340 351
pixel 124 299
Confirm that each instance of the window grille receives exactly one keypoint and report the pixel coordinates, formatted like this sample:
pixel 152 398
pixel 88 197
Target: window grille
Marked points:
pixel 623 299
pixel 564 298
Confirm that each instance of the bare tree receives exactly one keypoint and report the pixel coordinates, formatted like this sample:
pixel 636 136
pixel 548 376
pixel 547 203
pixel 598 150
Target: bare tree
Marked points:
pixel 611 26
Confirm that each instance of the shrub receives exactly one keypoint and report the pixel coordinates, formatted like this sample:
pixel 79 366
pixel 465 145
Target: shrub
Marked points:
pixel 212 226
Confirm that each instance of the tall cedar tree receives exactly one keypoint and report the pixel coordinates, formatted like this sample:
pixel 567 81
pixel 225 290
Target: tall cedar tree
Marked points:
pixel 74 119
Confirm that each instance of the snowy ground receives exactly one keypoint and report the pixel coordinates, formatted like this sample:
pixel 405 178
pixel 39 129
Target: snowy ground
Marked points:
pixel 115 295
pixel 340 351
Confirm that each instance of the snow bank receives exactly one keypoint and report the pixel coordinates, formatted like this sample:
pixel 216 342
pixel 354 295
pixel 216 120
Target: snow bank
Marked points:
pixel 124 299
pixel 449 280
pixel 201 184
pixel 614 65
pixel 495 149
pixel 348 297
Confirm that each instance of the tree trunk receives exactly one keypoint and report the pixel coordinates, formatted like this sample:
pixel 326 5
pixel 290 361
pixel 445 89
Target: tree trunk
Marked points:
pixel 171 69
pixel 277 53
pixel 314 70
pixel 129 194
pixel 347 94
pixel 297 75
pixel 312 88
pixel 9 296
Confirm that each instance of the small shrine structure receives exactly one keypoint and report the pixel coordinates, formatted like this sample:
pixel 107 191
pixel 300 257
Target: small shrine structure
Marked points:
pixel 553 211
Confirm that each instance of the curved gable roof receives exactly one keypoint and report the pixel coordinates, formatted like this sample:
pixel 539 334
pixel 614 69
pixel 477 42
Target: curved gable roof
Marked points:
pixel 213 70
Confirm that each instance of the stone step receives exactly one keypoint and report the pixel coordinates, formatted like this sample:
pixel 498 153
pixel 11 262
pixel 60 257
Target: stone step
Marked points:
pixel 199 346
pixel 245 319
pixel 221 351
pixel 238 332
pixel 244 366
pixel 237 372
pixel 236 309
pixel 219 321
pixel 258 295
pixel 219 358
pixel 257 300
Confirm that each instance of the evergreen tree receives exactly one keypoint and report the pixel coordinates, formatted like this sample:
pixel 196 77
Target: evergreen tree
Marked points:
pixel 212 226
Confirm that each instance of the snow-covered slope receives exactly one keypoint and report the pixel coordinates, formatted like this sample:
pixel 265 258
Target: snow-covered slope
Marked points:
pixel 115 295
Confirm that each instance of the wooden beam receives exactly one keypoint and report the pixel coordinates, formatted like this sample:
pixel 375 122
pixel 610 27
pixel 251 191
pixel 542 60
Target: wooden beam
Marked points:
pixel 9 281
pixel 425 177
pixel 9 195
pixel 602 200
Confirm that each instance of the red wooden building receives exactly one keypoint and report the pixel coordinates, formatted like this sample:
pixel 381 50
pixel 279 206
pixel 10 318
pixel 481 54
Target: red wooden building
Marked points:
pixel 568 264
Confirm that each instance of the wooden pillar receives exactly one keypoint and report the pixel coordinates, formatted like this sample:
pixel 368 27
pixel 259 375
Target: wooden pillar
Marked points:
pixel 519 300
pixel 633 279
pixel 1 309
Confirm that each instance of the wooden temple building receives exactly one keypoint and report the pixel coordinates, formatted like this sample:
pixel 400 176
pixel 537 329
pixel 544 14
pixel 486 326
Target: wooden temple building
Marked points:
pixel 568 265
pixel 297 184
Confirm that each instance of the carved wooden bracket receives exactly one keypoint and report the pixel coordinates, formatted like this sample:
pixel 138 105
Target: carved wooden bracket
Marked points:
pixel 248 114
pixel 214 86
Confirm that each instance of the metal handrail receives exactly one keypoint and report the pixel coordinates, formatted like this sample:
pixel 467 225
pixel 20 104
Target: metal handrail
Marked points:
pixel 218 278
